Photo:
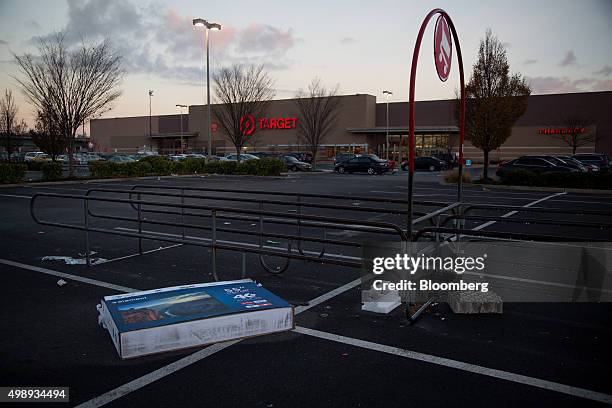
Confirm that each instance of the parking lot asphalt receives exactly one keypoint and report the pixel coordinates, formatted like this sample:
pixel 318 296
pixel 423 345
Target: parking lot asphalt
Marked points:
pixel 532 354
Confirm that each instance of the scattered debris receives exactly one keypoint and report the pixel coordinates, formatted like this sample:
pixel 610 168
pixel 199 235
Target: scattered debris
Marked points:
pixel 61 282
pixel 41 232
pixel 272 242
pixel 227 223
pixel 68 260
pixel 90 253
pixel 324 315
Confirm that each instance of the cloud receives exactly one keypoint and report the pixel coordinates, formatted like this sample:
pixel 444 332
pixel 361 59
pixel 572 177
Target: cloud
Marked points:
pixel 506 44
pixel 347 40
pixel 265 38
pixel 569 59
pixel 32 24
pixel 157 40
pixel 602 85
pixel 605 70
pixel 530 61
pixel 185 41
pixel 2 42
pixel 549 84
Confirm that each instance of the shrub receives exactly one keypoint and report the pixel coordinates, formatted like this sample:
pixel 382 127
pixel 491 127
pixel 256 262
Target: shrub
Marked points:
pixel 35 165
pixel 100 169
pixel 52 171
pixel 193 165
pixel 160 165
pixel 138 169
pixel 12 172
pixel 452 176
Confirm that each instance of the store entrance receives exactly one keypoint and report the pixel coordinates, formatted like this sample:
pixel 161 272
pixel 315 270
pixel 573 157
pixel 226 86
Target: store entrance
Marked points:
pixel 425 145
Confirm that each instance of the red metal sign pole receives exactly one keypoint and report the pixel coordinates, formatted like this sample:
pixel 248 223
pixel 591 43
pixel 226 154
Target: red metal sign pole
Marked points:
pixel 415 57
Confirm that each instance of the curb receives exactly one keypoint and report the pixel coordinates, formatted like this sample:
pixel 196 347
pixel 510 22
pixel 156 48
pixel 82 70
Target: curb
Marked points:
pixel 530 188
pixel 93 181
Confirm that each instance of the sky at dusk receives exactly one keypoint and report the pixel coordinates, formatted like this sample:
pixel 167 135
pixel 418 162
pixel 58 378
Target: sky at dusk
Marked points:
pixel 364 47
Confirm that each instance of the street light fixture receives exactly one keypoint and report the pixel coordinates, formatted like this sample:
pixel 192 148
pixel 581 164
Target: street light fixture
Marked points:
pixel 199 22
pixel 178 105
pixel 387 95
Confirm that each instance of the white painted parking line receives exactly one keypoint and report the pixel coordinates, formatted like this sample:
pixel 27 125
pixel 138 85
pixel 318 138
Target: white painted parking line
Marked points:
pixel 155 375
pixel 324 298
pixel 511 213
pixel 134 255
pixel 160 373
pixel 14 195
pixel 460 365
pixel 67 276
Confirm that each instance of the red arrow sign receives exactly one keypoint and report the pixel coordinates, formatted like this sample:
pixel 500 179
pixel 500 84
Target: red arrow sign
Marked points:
pixel 443 48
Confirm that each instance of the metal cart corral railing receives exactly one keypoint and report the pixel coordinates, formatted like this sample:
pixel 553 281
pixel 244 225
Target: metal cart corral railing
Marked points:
pixel 213 242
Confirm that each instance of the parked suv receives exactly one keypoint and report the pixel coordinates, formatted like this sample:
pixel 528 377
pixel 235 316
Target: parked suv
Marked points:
pixel 342 157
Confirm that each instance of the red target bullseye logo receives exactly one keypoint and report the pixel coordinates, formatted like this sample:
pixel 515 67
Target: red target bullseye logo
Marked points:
pixel 443 48
pixel 247 125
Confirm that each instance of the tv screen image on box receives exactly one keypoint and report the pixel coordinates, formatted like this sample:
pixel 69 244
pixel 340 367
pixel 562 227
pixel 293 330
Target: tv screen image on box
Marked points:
pixel 186 316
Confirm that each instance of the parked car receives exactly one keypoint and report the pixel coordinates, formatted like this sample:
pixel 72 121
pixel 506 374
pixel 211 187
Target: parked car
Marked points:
pixel 427 163
pixel 587 167
pixel 294 164
pixel 561 162
pixel 600 160
pixel 532 163
pixel 120 159
pixel 303 157
pixel 261 155
pixel 30 156
pixel 342 157
pixel 243 157
pixel 178 157
pixel 364 163
pixel 450 159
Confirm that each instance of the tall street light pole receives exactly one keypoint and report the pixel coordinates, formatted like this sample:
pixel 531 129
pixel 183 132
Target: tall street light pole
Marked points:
pixel 178 105
pixel 387 95
pixel 150 125
pixel 208 26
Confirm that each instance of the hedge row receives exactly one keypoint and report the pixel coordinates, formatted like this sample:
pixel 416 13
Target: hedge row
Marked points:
pixel 595 180
pixel 51 171
pixel 12 172
pixel 160 166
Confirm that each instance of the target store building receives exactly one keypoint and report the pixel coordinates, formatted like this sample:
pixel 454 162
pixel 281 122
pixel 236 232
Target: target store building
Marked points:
pixel 361 127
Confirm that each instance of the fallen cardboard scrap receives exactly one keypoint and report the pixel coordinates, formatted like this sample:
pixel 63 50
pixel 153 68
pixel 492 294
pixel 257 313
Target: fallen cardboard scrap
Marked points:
pixel 154 321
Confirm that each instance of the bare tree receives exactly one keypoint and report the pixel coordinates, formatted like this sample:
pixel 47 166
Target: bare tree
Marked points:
pixel 243 94
pixel 8 113
pixel 318 109
pixel 495 99
pixel 576 130
pixel 47 137
pixel 70 84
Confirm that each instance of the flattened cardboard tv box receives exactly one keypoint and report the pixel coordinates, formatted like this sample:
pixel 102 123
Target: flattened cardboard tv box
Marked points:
pixel 159 320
